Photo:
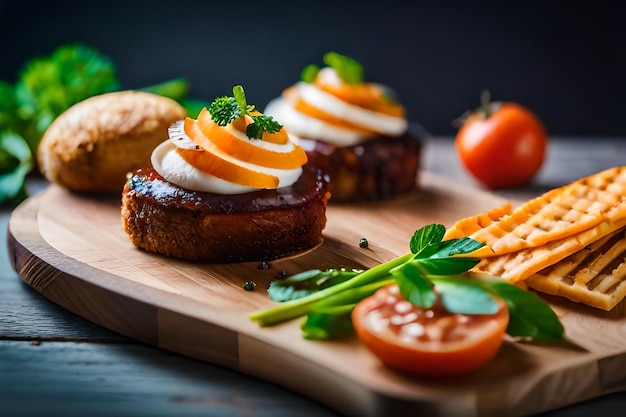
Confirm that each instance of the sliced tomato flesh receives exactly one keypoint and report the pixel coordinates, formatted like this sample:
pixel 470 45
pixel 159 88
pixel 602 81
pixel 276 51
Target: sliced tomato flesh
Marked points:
pixel 427 341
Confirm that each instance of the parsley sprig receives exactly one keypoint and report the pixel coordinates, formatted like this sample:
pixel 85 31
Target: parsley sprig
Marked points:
pixel 47 86
pixel 348 69
pixel 225 109
pixel 433 271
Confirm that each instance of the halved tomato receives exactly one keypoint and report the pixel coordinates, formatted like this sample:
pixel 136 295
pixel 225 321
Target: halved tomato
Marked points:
pixel 429 341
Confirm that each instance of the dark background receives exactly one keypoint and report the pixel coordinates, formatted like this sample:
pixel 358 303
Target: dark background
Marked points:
pixel 566 62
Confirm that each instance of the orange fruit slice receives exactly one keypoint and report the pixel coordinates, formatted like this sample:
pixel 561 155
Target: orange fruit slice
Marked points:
pixel 316 113
pixel 368 96
pixel 220 164
pixel 243 149
pixel 241 124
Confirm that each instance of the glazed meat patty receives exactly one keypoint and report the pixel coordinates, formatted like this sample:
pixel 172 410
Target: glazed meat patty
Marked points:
pixel 378 169
pixel 263 225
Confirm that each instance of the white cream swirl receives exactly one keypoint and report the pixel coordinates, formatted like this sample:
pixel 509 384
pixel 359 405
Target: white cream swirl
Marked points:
pixel 168 162
pixel 364 124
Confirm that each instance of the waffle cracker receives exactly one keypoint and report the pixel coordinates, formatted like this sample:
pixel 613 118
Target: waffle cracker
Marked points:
pixel 595 276
pixel 470 225
pixel 518 266
pixel 557 214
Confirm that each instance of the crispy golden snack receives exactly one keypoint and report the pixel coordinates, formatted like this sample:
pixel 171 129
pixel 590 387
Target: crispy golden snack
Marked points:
pixel 557 214
pixel 470 225
pixel 595 276
pixel 519 265
pixel 569 241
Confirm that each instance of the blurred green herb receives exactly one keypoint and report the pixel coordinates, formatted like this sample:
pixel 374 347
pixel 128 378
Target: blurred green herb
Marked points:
pixel 45 88
pixel 15 162
pixel 348 69
pixel 309 73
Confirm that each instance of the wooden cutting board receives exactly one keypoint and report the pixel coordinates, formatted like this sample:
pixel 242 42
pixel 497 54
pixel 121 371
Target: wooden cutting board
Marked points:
pixel 72 249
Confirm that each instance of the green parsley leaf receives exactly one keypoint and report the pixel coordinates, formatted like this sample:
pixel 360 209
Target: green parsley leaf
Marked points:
pixel 254 130
pixel 8 162
pixel 349 70
pixel 15 163
pixel 332 324
pixel 432 269
pixel 437 257
pixel 413 285
pixel 449 248
pixel 530 316
pixel 446 266
pixel 425 236
pixel 331 316
pixel 8 107
pixel 461 295
pixel 224 110
pixel 261 124
pixel 309 73
pixel 48 86
pixel 240 97
pixel 307 282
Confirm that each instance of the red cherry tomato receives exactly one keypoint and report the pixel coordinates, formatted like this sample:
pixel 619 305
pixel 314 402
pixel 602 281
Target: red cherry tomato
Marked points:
pixel 430 341
pixel 502 145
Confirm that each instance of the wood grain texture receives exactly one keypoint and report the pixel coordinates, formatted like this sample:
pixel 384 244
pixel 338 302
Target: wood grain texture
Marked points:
pixel 72 249
pixel 180 387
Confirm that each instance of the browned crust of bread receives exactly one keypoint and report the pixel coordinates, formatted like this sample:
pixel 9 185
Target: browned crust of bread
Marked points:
pixel 198 232
pixel 95 143
pixel 376 170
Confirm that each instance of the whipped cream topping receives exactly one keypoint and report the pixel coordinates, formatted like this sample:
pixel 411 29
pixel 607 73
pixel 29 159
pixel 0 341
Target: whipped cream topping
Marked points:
pixel 364 123
pixel 175 169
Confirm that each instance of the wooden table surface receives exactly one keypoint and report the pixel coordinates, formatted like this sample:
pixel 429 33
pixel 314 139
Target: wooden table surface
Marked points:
pixel 53 363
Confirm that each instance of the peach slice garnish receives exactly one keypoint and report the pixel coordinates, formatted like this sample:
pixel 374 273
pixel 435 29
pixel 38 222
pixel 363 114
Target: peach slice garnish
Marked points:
pixel 244 149
pixel 316 113
pixel 368 96
pixel 220 164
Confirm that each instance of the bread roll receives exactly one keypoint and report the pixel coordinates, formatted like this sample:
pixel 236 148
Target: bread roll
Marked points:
pixel 93 145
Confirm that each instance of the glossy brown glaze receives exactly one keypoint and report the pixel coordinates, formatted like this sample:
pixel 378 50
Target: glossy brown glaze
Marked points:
pixel 151 185
pixel 163 218
pixel 375 170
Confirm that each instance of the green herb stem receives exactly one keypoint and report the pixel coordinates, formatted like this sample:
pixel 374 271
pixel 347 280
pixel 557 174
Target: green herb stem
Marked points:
pixel 176 88
pixel 351 297
pixel 299 307
pixel 432 271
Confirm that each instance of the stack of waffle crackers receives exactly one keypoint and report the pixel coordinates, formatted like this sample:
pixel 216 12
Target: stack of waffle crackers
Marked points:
pixel 570 241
